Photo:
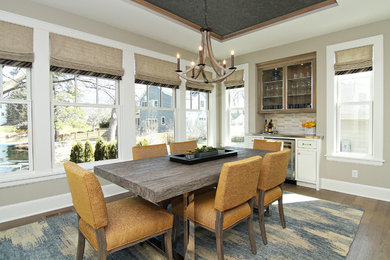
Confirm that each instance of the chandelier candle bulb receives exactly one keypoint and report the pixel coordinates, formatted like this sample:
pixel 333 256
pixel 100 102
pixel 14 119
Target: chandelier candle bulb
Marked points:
pixel 178 62
pixel 193 69
pixel 232 58
pixel 200 55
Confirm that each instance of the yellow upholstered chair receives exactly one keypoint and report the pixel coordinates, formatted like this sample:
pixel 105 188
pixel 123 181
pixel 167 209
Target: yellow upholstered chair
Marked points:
pixel 116 225
pixel 182 147
pixel 270 185
pixel 267 145
pixel 149 151
pixel 231 203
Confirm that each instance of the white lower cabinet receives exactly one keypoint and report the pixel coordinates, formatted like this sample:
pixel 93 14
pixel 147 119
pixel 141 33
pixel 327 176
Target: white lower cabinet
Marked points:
pixel 307 162
pixel 306 165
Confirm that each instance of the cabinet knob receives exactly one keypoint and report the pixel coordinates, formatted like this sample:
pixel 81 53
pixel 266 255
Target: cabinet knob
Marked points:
pixel 299 153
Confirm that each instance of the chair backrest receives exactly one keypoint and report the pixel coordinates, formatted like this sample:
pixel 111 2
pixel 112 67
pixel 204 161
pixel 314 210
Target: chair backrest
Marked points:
pixel 267 145
pixel 149 151
pixel 182 147
pixel 274 169
pixel 237 183
pixel 87 195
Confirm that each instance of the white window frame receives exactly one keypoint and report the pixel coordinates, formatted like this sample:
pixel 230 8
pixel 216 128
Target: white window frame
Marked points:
pixel 150 107
pixel 333 153
pixel 229 110
pixel 53 103
pixel 225 112
pixel 27 101
pixel 207 110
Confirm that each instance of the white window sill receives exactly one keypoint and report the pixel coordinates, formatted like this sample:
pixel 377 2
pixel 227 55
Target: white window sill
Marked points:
pixel 355 159
pixel 27 177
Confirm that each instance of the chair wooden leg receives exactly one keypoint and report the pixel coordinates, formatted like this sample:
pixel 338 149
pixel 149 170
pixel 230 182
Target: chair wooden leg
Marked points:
pixel 175 232
pixel 261 216
pixel 281 212
pixel 168 244
pixel 219 234
pixel 101 243
pixel 80 246
pixel 267 212
pixel 250 229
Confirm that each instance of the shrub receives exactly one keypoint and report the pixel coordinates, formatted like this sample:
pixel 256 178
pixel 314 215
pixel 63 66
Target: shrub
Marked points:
pixel 77 153
pixel 100 150
pixel 143 142
pixel 112 150
pixel 88 153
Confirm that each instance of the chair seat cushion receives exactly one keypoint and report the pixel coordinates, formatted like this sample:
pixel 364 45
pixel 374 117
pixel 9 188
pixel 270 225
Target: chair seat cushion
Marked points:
pixel 270 196
pixel 206 214
pixel 129 220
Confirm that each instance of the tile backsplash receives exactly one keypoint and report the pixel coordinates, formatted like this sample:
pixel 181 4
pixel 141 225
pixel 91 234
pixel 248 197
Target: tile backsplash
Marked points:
pixel 290 123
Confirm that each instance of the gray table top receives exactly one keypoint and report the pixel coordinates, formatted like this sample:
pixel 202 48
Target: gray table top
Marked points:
pixel 158 179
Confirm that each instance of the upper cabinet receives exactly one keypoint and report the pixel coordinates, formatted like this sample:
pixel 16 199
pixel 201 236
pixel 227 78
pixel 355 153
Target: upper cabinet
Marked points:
pixel 288 85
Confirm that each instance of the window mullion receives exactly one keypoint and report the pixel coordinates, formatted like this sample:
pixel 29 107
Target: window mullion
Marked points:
pixel 1 81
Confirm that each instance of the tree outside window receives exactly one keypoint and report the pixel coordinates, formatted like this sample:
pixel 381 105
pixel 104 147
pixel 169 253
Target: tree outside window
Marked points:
pixel 14 119
pixel 85 109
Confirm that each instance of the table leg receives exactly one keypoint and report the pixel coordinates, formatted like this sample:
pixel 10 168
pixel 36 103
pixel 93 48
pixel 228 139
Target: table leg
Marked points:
pixel 189 229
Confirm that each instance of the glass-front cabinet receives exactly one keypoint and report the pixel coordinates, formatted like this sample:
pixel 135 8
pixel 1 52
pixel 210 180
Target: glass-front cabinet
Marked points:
pixel 287 85
pixel 272 90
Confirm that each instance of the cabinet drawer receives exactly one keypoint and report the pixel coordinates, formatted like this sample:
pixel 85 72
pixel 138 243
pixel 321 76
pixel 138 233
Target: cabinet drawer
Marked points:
pixel 307 144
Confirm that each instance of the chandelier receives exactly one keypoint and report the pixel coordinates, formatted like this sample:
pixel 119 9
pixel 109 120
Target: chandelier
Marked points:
pixel 196 69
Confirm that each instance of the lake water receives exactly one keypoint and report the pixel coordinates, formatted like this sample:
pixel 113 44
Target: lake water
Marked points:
pixel 13 157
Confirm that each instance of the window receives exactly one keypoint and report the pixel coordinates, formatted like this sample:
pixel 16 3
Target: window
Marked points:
pixel 197 116
pixel 156 114
pixel 15 134
pixel 84 109
pixel 355 86
pixel 236 105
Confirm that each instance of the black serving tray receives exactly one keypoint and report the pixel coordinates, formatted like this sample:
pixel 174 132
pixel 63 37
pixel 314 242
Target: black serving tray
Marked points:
pixel 181 158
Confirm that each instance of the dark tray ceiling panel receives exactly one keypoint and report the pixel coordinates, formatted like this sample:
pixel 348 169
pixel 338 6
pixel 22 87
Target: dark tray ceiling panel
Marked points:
pixel 228 18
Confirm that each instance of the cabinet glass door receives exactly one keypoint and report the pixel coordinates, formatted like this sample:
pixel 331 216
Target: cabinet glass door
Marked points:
pixel 300 86
pixel 272 89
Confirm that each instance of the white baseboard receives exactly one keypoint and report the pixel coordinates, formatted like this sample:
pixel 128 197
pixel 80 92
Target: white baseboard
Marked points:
pixel 372 192
pixel 39 206
pixel 305 184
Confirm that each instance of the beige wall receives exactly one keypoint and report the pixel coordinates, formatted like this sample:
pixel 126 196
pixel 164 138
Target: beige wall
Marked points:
pixel 368 175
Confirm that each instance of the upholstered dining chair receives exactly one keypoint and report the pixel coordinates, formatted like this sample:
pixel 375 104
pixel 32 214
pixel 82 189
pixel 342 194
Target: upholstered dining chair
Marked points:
pixel 267 145
pixel 182 147
pixel 228 205
pixel 116 225
pixel 149 151
pixel 270 186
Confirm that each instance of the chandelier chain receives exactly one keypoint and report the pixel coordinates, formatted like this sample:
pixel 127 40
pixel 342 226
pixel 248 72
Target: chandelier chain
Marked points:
pixel 205 14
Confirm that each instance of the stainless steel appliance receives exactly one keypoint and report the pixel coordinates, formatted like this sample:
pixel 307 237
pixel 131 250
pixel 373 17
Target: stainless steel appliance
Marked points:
pixel 288 144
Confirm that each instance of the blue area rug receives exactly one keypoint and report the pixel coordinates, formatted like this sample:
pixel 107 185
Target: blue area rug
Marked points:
pixel 316 229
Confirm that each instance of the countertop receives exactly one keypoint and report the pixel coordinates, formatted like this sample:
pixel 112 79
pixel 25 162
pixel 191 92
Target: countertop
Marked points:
pixel 283 135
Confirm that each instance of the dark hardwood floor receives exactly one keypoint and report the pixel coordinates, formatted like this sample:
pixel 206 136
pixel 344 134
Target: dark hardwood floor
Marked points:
pixel 372 240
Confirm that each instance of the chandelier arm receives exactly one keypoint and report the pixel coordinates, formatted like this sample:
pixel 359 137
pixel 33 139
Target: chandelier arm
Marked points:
pixel 217 67
pixel 221 78
pixel 204 76
pixel 216 80
pixel 204 43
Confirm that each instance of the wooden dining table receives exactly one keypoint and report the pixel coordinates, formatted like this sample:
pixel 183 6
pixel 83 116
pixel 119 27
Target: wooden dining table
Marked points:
pixel 159 179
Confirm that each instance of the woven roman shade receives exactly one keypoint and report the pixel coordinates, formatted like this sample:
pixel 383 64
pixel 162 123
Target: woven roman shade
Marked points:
pixel 353 60
pixel 16 45
pixel 76 56
pixel 152 71
pixel 236 80
pixel 201 87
